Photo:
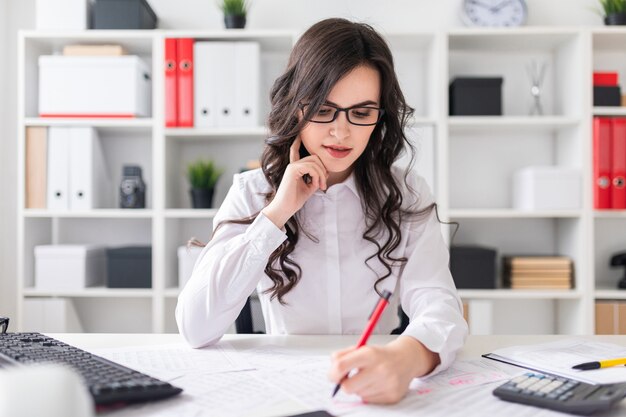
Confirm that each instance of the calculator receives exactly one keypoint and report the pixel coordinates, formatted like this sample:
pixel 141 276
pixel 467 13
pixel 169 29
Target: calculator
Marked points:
pixel 560 394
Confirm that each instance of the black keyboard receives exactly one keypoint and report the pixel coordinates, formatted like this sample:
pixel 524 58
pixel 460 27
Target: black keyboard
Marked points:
pixel 108 382
pixel 560 394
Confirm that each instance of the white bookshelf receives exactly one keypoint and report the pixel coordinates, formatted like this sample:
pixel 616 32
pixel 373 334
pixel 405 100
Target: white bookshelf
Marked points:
pixel 470 161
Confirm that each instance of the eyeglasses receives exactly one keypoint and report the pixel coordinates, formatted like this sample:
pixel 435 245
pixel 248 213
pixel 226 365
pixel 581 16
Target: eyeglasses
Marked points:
pixel 4 324
pixel 356 115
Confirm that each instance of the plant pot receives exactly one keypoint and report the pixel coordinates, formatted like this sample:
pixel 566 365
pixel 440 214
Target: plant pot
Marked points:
pixel 234 21
pixel 615 19
pixel 201 198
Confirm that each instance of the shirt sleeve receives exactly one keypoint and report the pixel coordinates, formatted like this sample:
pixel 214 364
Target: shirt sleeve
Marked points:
pixel 427 291
pixel 227 270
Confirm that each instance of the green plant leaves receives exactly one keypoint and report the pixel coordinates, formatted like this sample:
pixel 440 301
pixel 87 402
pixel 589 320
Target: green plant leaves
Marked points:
pixel 203 174
pixel 234 7
pixel 613 6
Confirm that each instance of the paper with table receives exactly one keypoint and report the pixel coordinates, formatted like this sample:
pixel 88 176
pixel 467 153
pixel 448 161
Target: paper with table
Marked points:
pixel 559 357
pixel 222 381
pixel 169 362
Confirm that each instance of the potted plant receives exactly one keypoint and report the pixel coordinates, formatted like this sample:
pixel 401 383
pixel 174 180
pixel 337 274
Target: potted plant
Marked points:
pixel 234 13
pixel 203 176
pixel 614 12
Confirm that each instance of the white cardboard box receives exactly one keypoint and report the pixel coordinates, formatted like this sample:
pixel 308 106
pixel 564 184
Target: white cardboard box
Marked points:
pixel 62 14
pixel 94 86
pixel 547 188
pixel 187 258
pixel 69 267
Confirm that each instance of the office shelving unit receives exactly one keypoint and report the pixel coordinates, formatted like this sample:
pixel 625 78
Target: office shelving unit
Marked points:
pixel 467 160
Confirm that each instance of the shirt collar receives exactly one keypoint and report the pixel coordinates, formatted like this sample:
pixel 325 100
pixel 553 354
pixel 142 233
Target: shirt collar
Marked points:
pixel 349 182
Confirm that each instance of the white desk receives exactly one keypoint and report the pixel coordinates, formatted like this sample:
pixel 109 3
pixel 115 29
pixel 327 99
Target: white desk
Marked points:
pixel 475 346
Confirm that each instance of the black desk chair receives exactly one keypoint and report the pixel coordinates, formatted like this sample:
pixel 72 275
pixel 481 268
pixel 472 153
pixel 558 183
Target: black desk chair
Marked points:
pixel 244 324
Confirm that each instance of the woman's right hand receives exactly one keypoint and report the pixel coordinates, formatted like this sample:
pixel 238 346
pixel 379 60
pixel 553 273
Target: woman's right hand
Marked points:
pixel 293 191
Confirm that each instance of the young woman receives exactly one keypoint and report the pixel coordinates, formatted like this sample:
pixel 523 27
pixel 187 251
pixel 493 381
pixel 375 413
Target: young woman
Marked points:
pixel 328 222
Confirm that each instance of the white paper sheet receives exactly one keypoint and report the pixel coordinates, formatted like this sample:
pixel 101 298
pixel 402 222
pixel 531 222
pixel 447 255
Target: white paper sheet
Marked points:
pixel 310 385
pixel 225 394
pixel 215 384
pixel 169 362
pixel 559 357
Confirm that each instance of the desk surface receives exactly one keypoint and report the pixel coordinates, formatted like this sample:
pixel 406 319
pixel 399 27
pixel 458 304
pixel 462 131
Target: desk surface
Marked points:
pixel 474 347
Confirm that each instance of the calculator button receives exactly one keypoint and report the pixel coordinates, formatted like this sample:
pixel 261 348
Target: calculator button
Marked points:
pixel 551 386
pixel 530 381
pixel 569 385
pixel 510 387
pixel 519 379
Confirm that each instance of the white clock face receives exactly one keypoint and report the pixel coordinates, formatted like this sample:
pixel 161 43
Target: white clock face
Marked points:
pixel 494 12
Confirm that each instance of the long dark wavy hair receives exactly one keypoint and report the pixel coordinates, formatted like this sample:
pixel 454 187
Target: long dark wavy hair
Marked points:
pixel 325 53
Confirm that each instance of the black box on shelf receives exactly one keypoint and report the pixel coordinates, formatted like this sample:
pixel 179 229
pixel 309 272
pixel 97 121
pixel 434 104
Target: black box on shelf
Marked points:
pixel 129 267
pixel 123 14
pixel 475 96
pixel 607 95
pixel 473 266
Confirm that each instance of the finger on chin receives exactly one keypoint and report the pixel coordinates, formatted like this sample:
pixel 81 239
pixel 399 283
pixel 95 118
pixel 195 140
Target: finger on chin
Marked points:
pixel 294 150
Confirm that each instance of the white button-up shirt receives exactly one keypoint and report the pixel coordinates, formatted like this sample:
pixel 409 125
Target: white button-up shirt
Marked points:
pixel 335 294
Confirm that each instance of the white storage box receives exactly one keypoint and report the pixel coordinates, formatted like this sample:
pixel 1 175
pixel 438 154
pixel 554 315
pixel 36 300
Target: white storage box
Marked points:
pixel 547 188
pixel 187 258
pixel 93 86
pixel 69 267
pixel 62 14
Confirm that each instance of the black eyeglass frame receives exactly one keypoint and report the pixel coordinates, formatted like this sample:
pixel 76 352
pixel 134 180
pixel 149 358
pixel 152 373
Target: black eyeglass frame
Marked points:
pixel 381 112
pixel 4 324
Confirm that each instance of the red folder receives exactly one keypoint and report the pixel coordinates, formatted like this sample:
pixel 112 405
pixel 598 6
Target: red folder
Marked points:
pixel 171 72
pixel 601 162
pixel 618 163
pixel 185 82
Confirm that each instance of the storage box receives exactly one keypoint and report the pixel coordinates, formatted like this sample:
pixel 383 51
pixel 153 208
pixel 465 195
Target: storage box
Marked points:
pixel 607 96
pixel 69 267
pixel 129 267
pixel 62 14
pixel 476 96
pixel 187 257
pixel 93 86
pixel 605 78
pixel 123 14
pixel 473 266
pixel 547 188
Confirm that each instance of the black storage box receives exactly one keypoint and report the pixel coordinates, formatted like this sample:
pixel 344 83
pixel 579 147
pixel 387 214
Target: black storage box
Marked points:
pixel 129 267
pixel 607 95
pixel 123 14
pixel 473 266
pixel 476 96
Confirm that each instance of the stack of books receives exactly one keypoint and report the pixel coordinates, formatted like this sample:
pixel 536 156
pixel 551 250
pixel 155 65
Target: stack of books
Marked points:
pixel 538 272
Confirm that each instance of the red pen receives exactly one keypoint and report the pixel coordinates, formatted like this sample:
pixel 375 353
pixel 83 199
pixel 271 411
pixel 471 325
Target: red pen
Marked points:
pixel 378 311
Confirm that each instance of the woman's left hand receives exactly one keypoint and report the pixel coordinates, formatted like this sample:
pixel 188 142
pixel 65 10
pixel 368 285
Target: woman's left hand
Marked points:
pixel 384 372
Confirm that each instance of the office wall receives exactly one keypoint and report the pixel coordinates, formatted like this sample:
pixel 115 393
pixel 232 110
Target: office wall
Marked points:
pixel 387 14
pixel 195 14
